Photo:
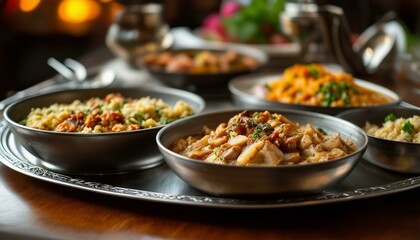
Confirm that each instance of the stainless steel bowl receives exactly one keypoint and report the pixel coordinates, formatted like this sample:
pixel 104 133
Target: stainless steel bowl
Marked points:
pixel 203 81
pixel 220 179
pixel 246 92
pixel 84 153
pixel 398 156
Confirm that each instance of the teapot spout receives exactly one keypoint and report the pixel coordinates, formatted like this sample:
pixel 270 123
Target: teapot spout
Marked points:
pixel 309 23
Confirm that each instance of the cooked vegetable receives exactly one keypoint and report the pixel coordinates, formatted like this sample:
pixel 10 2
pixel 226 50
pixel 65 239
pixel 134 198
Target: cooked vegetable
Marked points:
pixel 408 128
pixel 312 84
pixel 390 117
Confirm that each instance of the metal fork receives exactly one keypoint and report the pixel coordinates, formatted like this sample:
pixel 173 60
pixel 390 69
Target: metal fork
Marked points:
pixel 71 70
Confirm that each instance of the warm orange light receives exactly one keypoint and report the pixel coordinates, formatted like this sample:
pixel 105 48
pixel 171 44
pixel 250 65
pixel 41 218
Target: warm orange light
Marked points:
pixel 28 5
pixel 78 11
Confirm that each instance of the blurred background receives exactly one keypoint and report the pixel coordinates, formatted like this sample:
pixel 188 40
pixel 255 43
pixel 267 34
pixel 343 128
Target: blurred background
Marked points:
pixel 31 31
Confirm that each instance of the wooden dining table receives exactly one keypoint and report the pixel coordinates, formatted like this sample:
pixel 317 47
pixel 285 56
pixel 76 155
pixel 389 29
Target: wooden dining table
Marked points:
pixel 32 208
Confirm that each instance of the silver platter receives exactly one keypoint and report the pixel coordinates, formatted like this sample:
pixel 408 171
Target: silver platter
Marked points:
pixel 160 184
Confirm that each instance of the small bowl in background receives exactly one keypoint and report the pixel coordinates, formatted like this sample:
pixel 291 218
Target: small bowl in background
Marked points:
pixel 198 81
pixel 93 153
pixel 403 157
pixel 225 180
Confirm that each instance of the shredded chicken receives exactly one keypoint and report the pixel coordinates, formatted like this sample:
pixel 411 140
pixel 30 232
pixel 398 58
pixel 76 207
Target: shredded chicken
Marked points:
pixel 262 138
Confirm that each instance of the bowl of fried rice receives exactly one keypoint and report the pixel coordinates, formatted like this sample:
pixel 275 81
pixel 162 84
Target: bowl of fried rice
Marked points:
pixel 394 136
pixel 98 131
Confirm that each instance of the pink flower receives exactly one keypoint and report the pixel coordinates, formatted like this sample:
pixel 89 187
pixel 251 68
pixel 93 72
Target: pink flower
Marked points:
pixel 230 8
pixel 213 22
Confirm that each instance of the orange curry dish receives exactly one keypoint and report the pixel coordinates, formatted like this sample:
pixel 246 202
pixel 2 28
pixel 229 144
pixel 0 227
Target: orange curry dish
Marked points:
pixel 314 85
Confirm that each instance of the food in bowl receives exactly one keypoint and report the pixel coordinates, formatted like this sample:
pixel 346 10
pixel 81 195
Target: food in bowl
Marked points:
pixel 389 149
pixel 87 152
pixel 258 180
pixel 200 61
pixel 263 138
pixel 315 85
pixel 113 113
pixel 396 128
pixel 203 70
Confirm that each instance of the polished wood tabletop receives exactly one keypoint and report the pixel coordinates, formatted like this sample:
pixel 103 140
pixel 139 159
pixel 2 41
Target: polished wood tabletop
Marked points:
pixel 31 208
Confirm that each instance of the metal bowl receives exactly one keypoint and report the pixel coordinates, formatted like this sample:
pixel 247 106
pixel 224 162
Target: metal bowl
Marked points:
pixel 224 180
pixel 198 81
pixel 398 156
pixel 246 92
pixel 87 153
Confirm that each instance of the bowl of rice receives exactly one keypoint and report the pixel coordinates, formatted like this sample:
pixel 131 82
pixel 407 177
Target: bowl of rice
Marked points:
pixel 394 136
pixel 98 131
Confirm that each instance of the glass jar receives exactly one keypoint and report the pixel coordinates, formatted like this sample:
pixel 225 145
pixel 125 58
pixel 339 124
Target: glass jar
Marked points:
pixel 137 30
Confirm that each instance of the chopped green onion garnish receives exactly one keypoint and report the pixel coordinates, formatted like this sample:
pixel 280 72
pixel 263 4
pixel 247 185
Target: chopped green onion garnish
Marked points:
pixel 390 117
pixel 408 127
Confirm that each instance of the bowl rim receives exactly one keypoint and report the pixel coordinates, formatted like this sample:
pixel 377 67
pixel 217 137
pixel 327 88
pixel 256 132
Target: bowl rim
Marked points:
pixel 286 111
pixel 261 78
pixel 157 89
pixel 260 56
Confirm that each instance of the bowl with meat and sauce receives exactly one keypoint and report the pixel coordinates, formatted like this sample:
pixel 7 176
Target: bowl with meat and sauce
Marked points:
pixel 197 69
pixel 255 152
pixel 394 136
pixel 310 87
pixel 98 131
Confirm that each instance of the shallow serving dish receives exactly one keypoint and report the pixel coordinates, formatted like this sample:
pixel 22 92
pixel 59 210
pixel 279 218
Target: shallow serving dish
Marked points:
pixel 245 91
pixel 88 153
pixel 279 55
pixel 398 156
pixel 199 81
pixel 225 180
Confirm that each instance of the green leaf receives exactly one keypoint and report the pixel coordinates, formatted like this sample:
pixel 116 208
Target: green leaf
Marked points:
pixel 408 127
pixel 251 22
pixel 390 117
pixel 248 31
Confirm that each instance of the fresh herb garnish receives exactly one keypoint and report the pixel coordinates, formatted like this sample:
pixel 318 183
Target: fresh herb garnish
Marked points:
pixel 260 128
pixel 313 71
pixel 390 117
pixel 322 131
pixel 159 111
pixel 267 87
pixel 256 133
pixel 254 119
pixel 140 116
pixel 408 128
pixel 332 92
